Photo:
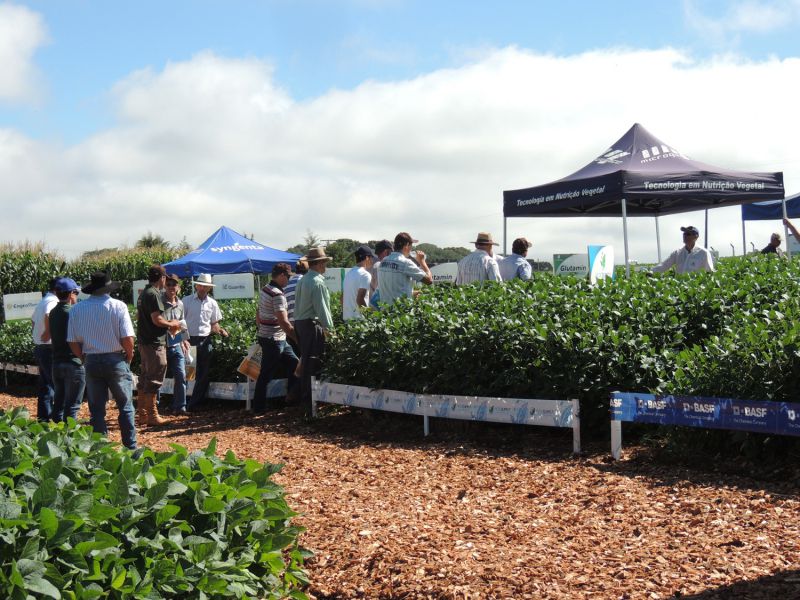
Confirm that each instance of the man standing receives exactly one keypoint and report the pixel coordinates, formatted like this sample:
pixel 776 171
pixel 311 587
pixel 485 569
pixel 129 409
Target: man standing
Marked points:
pixel 273 329
pixel 152 328
pixel 355 290
pixel 516 266
pixel 300 268
pixel 398 273
pixel 774 246
pixel 480 264
pixel 43 351
pixel 382 249
pixel 690 257
pixel 177 344
pixel 69 376
pixel 202 316
pixel 100 333
pixel 313 321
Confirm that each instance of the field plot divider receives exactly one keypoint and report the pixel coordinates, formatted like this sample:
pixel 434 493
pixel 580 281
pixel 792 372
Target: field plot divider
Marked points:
pixel 518 411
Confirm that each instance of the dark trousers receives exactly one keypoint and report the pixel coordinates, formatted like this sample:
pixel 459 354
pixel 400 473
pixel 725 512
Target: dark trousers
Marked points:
pixel 312 349
pixel 274 353
pixel 111 373
pixel 69 383
pixel 204 350
pixel 43 353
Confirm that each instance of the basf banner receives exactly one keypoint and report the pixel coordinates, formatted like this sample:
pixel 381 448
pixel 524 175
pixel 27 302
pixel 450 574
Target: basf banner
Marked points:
pixel 240 285
pixel 601 263
pixel 575 265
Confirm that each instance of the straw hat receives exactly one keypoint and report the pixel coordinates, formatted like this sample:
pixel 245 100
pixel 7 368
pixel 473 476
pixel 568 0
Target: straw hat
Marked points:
pixel 203 279
pixel 485 238
pixel 316 255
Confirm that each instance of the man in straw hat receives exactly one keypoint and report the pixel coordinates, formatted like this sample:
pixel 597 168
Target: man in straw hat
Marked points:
pixel 312 313
pixel 480 264
pixel 202 316
pixel 100 333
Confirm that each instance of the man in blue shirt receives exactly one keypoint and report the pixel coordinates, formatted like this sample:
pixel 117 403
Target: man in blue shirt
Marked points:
pixel 516 265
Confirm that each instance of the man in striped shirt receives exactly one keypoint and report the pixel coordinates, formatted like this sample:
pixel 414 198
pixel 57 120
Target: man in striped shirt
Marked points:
pixel 100 333
pixel 480 264
pixel 300 269
pixel 273 328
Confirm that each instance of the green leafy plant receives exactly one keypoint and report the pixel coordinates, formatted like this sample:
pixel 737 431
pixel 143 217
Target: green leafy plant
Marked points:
pixel 81 519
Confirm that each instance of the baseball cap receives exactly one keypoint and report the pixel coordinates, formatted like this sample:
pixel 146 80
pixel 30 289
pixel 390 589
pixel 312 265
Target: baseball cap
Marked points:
pixel 363 251
pixel 65 284
pixel 690 229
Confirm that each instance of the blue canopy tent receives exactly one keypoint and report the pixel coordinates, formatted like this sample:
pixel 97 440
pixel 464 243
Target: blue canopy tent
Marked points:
pixel 229 252
pixel 771 210
pixel 640 176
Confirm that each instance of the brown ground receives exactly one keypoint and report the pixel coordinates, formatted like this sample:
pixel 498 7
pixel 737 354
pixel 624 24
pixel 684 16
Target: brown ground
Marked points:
pixel 508 513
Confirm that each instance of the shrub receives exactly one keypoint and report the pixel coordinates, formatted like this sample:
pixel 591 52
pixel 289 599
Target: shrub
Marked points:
pixel 81 519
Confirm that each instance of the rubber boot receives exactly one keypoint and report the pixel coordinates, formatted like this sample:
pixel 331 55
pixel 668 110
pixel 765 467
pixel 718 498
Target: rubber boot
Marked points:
pixel 153 418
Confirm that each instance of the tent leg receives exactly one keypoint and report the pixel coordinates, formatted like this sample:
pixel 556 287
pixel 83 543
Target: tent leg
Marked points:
pixel 785 228
pixel 658 240
pixel 706 228
pixel 625 235
pixel 744 239
pixel 505 236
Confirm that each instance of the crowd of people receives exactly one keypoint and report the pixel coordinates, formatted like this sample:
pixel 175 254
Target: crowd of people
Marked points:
pixel 88 347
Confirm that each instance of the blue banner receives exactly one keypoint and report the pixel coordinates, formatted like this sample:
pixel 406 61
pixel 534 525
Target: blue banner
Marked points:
pixel 762 416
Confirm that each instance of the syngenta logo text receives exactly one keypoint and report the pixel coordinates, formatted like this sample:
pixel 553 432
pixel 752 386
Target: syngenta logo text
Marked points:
pixel 613 157
pixel 236 248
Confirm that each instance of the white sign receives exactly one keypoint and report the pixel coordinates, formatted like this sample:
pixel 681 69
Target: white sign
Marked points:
pixel 601 262
pixel 20 306
pixel 445 273
pixel 334 279
pixel 575 265
pixel 138 287
pixel 793 245
pixel 240 285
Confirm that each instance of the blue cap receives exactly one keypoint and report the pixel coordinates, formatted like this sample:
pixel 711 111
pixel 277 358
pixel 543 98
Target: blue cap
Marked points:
pixel 65 284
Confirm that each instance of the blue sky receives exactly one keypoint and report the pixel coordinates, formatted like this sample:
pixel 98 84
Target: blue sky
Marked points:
pixel 348 110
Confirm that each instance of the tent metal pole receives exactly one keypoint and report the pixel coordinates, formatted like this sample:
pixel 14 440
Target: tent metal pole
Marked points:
pixel 505 235
pixel 706 228
pixel 744 239
pixel 785 227
pixel 625 235
pixel 658 240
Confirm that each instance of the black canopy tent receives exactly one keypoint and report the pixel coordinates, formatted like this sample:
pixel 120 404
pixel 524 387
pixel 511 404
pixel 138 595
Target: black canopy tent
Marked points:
pixel 640 176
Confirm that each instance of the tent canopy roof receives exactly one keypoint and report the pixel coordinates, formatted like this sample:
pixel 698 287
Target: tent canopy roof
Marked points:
pixel 771 210
pixel 227 251
pixel 653 177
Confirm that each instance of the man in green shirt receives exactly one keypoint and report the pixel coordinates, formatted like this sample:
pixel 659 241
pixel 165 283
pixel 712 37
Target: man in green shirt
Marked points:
pixel 69 376
pixel 152 333
pixel 313 321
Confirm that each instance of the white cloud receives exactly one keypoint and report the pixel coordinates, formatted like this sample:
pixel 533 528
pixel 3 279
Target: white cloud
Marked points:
pixel 214 141
pixel 22 32
pixel 741 17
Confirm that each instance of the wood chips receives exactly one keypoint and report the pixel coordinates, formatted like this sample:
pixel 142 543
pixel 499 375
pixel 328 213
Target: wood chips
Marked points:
pixel 484 511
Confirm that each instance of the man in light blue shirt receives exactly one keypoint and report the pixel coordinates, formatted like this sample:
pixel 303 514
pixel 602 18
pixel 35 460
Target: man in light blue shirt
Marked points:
pixel 516 266
pixel 397 273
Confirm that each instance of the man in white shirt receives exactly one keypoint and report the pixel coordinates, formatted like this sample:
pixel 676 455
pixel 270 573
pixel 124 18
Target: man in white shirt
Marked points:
pixel 688 258
pixel 480 264
pixel 43 351
pixel 355 290
pixel 516 266
pixel 202 316
pixel 397 273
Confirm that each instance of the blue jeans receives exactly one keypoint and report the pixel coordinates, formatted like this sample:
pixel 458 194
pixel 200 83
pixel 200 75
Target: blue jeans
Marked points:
pixel 273 354
pixel 43 353
pixel 204 350
pixel 69 382
pixel 176 363
pixel 110 372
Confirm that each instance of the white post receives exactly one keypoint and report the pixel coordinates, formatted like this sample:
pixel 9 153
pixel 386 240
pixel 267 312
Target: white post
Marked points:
pixel 785 228
pixel 744 239
pixel 616 439
pixel 576 427
pixel 426 425
pixel 658 240
pixel 505 236
pixel 625 235
pixel 314 391
pixel 248 401
pixel 706 244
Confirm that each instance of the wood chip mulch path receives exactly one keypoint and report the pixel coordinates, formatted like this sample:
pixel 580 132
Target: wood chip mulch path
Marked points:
pixel 499 512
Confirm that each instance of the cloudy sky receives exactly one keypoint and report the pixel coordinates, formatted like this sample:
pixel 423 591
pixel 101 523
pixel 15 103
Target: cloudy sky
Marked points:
pixel 362 118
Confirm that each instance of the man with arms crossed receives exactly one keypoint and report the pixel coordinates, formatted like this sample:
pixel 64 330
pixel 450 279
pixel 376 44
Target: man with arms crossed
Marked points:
pixel 100 333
